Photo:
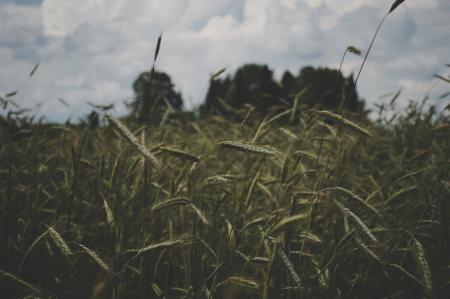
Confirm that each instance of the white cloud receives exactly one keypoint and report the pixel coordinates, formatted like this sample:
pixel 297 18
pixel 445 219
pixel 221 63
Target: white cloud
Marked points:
pixel 92 50
pixel 20 25
pixel 61 17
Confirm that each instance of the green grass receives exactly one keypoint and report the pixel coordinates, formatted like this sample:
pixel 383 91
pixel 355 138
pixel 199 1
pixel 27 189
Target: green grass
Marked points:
pixel 297 206
pixel 297 203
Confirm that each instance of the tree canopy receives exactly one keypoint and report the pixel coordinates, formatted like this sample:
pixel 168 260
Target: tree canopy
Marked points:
pixel 323 87
pixel 154 95
pixel 251 84
pixel 254 84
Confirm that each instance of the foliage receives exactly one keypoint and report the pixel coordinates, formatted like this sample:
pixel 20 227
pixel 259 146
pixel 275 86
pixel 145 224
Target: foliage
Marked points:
pixel 254 85
pixel 154 93
pixel 209 208
pixel 323 88
pixel 237 210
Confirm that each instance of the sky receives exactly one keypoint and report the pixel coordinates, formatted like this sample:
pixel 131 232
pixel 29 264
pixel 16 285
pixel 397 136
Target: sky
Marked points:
pixel 93 50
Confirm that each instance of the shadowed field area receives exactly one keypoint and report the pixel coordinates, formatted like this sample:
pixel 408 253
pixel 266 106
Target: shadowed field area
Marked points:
pixel 298 204
pixel 268 190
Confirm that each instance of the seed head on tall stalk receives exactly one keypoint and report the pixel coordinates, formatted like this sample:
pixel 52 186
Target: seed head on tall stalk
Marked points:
pixel 351 49
pixel 393 7
pixel 358 52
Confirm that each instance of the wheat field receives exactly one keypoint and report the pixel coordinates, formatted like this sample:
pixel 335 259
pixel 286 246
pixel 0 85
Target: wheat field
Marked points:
pixel 294 203
pixel 298 204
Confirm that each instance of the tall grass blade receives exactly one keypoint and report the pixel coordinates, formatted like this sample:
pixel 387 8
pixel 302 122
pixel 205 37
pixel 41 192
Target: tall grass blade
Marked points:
pixel 290 267
pixel 246 148
pixel 124 132
pixel 442 78
pixel 218 73
pixel 59 242
pixel 242 282
pixel 163 245
pixel 395 5
pixel 345 122
pixel 280 226
pixel 174 202
pixel 424 267
pixel 11 277
pixel 179 154
pixel 359 223
pixel 158 45
pixel 33 70
pixel 113 276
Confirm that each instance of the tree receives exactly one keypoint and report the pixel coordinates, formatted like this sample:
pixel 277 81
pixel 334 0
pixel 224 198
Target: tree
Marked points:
pixel 252 84
pixel 93 119
pixel 323 88
pixel 218 90
pixel 153 96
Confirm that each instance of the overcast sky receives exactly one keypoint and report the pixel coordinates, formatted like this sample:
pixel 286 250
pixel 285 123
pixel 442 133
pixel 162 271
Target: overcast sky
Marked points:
pixel 92 50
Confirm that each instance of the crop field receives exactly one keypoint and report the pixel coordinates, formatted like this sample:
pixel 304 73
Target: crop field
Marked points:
pixel 296 204
pixel 291 200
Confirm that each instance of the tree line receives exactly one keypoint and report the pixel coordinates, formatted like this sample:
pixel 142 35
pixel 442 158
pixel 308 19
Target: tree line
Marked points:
pixel 252 86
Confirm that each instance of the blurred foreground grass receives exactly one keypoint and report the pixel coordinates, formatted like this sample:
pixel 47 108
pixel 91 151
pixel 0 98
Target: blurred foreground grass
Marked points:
pixel 299 204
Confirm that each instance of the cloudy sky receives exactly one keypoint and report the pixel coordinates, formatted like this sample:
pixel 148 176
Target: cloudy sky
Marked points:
pixel 92 50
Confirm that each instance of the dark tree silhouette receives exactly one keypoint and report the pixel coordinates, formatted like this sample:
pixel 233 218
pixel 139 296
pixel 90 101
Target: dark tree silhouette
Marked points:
pixel 93 119
pixel 153 96
pixel 215 98
pixel 289 84
pixel 253 84
pixel 323 88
